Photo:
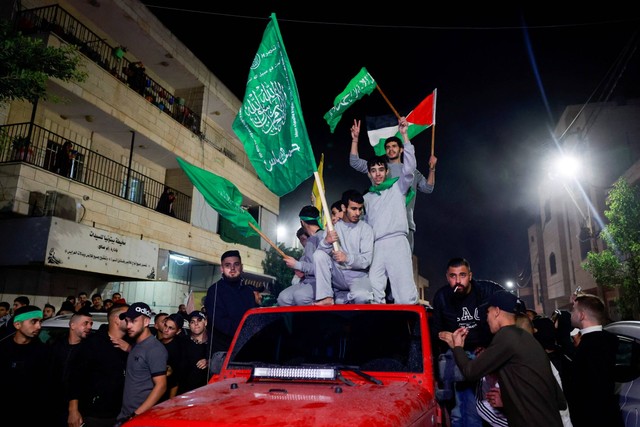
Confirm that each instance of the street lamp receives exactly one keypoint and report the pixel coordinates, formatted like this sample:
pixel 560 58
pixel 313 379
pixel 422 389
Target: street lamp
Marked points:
pixel 568 170
pixel 510 285
pixel 281 234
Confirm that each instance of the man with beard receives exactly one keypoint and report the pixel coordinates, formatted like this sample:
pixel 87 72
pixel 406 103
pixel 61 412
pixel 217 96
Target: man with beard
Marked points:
pixel 394 148
pixel 64 357
pixel 227 300
pixel 146 379
pixel 97 380
pixel 456 306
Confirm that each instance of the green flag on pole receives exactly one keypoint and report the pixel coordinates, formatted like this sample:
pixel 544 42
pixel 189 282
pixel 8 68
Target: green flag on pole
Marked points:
pixel 222 196
pixel 270 122
pixel 361 85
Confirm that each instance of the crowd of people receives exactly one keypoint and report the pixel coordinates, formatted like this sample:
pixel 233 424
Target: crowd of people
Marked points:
pixel 502 364
pixel 498 364
pixel 125 367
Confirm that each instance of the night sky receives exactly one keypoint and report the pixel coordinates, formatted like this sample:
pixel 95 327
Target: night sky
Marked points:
pixel 503 79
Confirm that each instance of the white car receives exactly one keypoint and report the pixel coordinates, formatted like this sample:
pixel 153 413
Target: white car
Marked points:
pixel 628 369
pixel 58 326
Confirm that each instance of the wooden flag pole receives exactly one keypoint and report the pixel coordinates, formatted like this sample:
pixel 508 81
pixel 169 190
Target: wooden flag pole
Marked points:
pixel 387 100
pixel 325 207
pixel 433 137
pixel 269 241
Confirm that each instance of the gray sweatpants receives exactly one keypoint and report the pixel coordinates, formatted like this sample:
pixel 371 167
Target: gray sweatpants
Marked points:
pixel 392 259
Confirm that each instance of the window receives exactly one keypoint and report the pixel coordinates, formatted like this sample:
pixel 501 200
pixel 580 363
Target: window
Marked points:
pixel 372 340
pixel 136 191
pixel 627 359
pixel 552 264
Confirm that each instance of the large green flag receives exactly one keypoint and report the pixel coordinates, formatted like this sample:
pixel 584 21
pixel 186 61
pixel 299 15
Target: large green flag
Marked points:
pixel 270 122
pixel 361 85
pixel 222 196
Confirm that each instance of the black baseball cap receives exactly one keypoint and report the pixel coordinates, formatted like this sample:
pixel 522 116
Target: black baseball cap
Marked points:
pixel 197 314
pixel 136 309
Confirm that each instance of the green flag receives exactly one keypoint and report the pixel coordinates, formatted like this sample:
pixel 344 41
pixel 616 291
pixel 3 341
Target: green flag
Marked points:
pixel 222 196
pixel 361 85
pixel 270 122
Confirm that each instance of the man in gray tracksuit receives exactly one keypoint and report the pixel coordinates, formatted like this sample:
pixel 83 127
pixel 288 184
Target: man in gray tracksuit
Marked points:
pixel 342 274
pixel 385 211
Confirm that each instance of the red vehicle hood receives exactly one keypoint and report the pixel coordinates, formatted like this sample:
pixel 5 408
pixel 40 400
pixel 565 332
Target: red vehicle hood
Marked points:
pixel 236 402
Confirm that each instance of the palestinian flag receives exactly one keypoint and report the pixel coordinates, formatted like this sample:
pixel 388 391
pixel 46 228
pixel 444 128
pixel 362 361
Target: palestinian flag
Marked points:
pixel 379 128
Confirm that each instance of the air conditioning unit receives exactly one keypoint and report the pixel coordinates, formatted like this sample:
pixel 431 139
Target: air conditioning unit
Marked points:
pixel 62 206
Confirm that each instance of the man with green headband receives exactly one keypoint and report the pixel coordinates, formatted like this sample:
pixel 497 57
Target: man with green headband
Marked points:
pixel 385 207
pixel 25 364
pixel 303 292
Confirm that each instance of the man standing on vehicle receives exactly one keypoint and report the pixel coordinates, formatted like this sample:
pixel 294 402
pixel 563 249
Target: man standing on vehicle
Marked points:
pixel 394 149
pixel 227 300
pixel 456 306
pixel 146 379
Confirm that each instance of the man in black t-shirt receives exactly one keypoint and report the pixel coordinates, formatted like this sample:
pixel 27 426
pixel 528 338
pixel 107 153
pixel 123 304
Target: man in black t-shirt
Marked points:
pixel 455 306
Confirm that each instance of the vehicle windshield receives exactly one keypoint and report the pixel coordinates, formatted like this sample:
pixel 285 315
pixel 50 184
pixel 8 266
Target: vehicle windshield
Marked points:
pixel 385 341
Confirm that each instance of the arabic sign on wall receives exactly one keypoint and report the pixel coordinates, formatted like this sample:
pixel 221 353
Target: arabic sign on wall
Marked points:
pixel 77 246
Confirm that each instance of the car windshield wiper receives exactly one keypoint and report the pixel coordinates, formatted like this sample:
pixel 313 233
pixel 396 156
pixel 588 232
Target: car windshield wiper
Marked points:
pixel 356 370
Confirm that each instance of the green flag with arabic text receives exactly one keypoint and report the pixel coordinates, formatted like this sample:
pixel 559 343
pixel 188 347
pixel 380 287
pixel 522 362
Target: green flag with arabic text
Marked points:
pixel 361 85
pixel 270 122
pixel 222 196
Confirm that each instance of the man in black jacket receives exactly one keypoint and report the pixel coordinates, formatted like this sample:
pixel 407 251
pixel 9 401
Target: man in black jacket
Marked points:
pixel 227 301
pixel 456 306
pixel 64 353
pixel 24 367
pixel 591 382
pixel 97 379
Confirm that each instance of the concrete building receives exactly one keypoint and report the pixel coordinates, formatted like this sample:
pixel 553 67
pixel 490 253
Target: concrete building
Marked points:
pixel 605 138
pixel 147 101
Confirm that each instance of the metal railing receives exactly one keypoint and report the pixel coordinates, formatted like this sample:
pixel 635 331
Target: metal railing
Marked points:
pixel 56 20
pixel 37 146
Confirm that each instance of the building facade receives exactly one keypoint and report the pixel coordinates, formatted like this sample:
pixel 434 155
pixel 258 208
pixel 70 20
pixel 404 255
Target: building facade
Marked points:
pixel 605 139
pixel 93 226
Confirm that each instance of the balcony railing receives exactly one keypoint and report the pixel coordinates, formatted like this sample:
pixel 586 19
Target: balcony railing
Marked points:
pixel 32 144
pixel 58 21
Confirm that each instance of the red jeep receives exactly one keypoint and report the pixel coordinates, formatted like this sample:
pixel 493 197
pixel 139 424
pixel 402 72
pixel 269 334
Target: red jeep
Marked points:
pixel 341 365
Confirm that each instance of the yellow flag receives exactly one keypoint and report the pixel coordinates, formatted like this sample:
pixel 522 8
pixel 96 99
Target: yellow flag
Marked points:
pixel 315 193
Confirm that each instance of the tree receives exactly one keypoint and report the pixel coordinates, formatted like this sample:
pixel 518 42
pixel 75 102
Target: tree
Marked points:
pixel 619 264
pixel 275 266
pixel 27 62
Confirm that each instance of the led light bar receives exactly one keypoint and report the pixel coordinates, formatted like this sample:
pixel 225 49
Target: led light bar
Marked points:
pixel 294 373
